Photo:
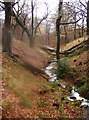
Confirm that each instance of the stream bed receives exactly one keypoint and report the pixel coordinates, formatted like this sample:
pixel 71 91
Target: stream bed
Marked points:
pixel 74 95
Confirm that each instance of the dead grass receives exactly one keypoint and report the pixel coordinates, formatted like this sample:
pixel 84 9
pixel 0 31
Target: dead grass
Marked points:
pixel 73 43
pixel 22 96
pixel 24 84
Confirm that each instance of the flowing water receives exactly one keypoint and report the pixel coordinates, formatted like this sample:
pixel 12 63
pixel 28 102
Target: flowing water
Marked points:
pixel 50 71
pixel 74 95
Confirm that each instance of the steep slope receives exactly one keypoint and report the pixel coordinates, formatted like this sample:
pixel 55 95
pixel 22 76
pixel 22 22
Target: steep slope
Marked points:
pixel 26 95
pixel 33 56
pixel 29 95
pixel 20 87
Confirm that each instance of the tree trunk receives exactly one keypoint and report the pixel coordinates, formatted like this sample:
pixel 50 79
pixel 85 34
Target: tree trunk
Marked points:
pixel 32 30
pixel 88 38
pixel 20 22
pixel 32 18
pixel 82 26
pixel 75 27
pixel 58 39
pixel 65 31
pixel 88 18
pixel 58 29
pixel 7 30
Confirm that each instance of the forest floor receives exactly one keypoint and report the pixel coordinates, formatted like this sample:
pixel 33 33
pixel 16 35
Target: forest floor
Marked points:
pixel 26 94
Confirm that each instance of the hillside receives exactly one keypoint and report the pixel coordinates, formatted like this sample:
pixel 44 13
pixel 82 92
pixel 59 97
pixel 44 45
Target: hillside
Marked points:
pixel 26 91
pixel 44 63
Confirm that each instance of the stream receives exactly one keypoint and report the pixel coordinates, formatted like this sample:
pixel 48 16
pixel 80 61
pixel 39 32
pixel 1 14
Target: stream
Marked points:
pixel 74 95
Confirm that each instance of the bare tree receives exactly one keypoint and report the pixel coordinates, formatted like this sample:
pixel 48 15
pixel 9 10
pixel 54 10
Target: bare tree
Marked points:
pixel 29 27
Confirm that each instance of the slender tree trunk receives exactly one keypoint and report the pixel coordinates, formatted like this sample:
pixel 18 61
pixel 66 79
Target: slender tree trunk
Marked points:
pixel 32 40
pixel 58 39
pixel 88 37
pixel 79 31
pixel 88 46
pixel 65 34
pixel 88 18
pixel 7 30
pixel 32 18
pixel 75 27
pixel 58 29
pixel 82 26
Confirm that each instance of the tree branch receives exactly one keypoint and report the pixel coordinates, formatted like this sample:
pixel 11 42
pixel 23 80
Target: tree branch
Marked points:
pixel 83 4
pixel 70 22
pixel 18 19
pixel 40 22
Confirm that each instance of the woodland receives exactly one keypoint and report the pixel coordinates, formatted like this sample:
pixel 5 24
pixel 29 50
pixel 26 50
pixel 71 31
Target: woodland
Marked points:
pixel 44 62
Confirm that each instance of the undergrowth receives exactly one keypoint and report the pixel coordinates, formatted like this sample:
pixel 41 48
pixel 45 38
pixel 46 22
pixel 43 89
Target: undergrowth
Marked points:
pixel 63 70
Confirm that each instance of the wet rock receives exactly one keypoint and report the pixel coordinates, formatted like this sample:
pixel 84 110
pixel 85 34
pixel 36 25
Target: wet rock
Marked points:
pixel 75 60
pixel 73 97
pixel 49 62
pixel 86 112
pixel 59 84
pixel 66 102
pixel 87 96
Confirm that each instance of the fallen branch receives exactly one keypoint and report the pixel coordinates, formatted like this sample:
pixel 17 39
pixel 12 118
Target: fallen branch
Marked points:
pixel 68 51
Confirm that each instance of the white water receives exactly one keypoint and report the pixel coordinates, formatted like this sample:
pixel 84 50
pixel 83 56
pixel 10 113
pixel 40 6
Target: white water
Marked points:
pixel 85 102
pixel 50 71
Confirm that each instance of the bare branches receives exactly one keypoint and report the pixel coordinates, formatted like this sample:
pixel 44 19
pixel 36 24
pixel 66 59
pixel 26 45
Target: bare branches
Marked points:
pixel 1 2
pixel 40 22
pixel 83 4
pixel 70 22
pixel 42 19
pixel 2 5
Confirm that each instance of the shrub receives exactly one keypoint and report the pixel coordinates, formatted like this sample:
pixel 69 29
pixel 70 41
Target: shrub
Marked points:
pixel 63 70
pixel 84 88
